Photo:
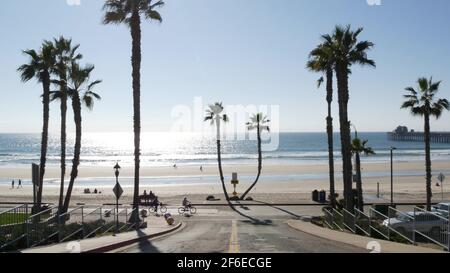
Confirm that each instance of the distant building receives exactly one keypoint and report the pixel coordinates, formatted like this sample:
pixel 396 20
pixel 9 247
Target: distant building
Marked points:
pixel 401 130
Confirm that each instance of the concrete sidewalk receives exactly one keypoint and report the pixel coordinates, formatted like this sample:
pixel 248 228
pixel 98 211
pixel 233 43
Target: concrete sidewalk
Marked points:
pixel 157 226
pixel 357 240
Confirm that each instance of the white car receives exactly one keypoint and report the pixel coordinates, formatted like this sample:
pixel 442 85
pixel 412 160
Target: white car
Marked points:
pixel 442 208
pixel 425 222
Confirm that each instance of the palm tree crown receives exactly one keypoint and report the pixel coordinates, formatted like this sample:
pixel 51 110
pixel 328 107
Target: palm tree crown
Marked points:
pixel 346 48
pixel 422 101
pixel 258 120
pixel 360 147
pixel 40 62
pixel 121 11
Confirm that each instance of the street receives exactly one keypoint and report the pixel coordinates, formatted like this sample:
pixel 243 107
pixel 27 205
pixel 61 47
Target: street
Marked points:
pixel 251 229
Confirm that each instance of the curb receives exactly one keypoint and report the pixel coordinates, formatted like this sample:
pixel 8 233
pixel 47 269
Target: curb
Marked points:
pixel 122 244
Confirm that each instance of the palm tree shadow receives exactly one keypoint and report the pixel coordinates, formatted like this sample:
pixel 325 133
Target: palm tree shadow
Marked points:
pixel 280 209
pixel 249 219
pixel 145 245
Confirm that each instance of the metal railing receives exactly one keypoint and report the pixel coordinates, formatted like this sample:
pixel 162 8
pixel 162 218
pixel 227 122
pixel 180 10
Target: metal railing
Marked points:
pixel 410 227
pixel 406 230
pixel 349 220
pixel 432 226
pixel 42 227
pixel 13 225
pixel 362 222
pixel 338 220
pixel 20 229
pixel 377 220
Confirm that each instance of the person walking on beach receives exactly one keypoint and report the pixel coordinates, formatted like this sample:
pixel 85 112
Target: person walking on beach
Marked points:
pixel 201 168
pixel 20 184
pixel 12 184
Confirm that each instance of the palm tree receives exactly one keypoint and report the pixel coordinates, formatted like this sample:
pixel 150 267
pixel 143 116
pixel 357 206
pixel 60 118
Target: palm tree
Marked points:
pixel 347 51
pixel 129 12
pixel 80 91
pixel 259 122
pixel 422 102
pixel 321 60
pixel 65 54
pixel 214 115
pixel 39 67
pixel 359 147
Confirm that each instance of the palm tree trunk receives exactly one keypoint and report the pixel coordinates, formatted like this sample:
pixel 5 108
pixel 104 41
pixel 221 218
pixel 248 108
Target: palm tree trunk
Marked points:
pixel 222 179
pixel 428 161
pixel 136 74
pixel 44 139
pixel 343 97
pixel 258 132
pixel 76 106
pixel 359 182
pixel 330 137
pixel 63 148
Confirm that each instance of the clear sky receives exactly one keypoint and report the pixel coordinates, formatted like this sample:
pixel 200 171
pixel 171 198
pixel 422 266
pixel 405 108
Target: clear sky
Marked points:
pixel 235 51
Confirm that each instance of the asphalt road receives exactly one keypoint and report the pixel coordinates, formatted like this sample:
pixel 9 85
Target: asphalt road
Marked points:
pixel 245 230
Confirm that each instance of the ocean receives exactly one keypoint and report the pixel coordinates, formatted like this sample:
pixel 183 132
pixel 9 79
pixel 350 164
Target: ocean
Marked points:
pixel 166 149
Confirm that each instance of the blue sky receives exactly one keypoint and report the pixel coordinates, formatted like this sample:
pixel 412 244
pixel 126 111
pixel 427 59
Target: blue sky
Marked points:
pixel 236 51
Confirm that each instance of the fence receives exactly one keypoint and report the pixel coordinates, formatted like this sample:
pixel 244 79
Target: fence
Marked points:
pixel 19 229
pixel 412 227
pixel 432 227
pixel 13 225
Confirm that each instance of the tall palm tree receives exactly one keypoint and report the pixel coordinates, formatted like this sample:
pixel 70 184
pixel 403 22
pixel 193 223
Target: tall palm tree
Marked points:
pixel 215 116
pixel 65 54
pixel 321 60
pixel 422 102
pixel 347 51
pixel 259 123
pixel 81 91
pixel 39 66
pixel 359 147
pixel 130 12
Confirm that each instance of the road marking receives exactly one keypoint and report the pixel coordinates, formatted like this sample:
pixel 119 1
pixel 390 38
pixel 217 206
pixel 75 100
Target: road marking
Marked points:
pixel 234 241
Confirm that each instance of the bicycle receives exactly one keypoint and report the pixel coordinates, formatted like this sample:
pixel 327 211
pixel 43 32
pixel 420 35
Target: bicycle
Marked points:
pixel 162 208
pixel 191 210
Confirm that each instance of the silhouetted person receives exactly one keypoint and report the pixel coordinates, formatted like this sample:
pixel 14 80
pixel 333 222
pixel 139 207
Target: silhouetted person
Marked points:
pixel 95 191
pixel 20 184
pixel 12 184
pixel 201 168
pixel 151 196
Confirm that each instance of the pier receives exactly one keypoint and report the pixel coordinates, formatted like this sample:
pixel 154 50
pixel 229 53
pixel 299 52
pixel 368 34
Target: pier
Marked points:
pixel 402 134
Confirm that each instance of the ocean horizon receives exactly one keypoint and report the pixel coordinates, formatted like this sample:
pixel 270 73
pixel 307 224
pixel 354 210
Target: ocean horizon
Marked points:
pixel 167 149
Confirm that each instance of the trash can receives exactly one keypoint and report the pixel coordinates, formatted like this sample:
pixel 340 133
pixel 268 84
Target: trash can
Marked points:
pixel 315 196
pixel 169 219
pixel 322 196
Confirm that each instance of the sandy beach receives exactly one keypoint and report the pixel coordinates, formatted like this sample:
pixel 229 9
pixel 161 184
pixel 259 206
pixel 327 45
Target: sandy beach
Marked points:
pixel 406 187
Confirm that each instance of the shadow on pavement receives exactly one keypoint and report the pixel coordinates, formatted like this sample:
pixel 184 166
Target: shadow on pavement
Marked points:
pixel 280 209
pixel 250 220
pixel 146 245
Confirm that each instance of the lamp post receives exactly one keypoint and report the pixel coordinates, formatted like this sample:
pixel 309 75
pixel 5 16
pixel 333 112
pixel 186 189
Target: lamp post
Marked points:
pixel 118 192
pixel 392 174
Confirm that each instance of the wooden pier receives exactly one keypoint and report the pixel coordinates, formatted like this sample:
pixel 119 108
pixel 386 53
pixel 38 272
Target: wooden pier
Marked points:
pixel 435 137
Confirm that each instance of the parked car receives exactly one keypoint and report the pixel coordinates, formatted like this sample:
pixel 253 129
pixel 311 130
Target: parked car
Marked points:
pixel 429 223
pixel 442 208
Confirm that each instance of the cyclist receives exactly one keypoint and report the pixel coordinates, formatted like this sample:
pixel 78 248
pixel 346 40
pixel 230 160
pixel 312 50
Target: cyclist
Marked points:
pixel 186 203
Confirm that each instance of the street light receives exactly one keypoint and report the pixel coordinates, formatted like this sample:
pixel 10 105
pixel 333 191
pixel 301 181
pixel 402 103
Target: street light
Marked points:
pixel 392 174
pixel 117 191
